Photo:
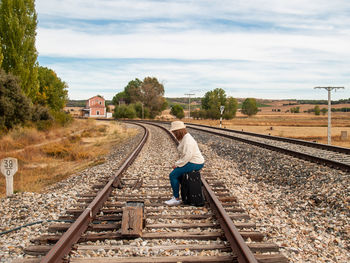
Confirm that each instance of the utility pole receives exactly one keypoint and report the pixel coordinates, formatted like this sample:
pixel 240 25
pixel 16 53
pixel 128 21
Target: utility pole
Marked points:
pixel 189 103
pixel 329 138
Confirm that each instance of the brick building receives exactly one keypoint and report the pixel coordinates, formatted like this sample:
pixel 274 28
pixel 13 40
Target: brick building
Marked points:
pixel 95 107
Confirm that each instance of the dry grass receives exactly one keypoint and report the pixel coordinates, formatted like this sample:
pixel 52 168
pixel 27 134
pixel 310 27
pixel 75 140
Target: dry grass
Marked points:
pixel 22 137
pixel 55 155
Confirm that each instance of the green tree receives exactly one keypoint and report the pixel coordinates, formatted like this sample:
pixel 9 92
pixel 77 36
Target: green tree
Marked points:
pixel 52 90
pixel 177 111
pixel 317 110
pixel 133 91
pixel 14 105
pixel 18 22
pixel 231 107
pixel 324 111
pixel 249 107
pixel 118 97
pixel 212 101
pixel 152 95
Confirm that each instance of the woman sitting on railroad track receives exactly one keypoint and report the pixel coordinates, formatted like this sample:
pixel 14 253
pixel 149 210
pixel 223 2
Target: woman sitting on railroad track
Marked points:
pixel 191 159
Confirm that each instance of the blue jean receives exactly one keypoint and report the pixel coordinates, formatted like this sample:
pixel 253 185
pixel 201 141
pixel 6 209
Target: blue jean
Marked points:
pixel 176 174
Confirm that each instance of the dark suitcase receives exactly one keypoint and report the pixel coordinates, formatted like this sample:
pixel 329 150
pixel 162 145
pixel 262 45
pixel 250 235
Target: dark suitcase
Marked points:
pixel 191 189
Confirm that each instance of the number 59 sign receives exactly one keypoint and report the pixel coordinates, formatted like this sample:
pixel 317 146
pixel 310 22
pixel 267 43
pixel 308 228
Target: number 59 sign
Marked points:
pixel 9 168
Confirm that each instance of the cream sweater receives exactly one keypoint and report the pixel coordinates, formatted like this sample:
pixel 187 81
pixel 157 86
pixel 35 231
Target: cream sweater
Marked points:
pixel 189 151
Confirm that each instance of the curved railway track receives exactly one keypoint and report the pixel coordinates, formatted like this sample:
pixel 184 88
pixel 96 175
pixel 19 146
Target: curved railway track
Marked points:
pixel 220 231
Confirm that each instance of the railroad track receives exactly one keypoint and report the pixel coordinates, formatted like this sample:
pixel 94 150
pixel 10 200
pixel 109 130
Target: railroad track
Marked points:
pixel 220 231
pixel 332 156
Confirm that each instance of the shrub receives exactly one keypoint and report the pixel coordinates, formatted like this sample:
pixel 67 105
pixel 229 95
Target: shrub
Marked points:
pixel 249 107
pixel 57 150
pixel 202 114
pixel 177 111
pixel 295 110
pixel 138 108
pixel 317 110
pixel 102 129
pixel 125 111
pixel 14 105
pixel 74 138
pixel 66 151
pixel 229 115
pixel 62 118
pixel 195 114
pixel 25 135
pixel 44 125
pixel 41 113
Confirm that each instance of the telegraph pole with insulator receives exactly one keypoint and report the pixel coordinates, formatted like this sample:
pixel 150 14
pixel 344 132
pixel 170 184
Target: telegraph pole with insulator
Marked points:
pixel 329 89
pixel 189 104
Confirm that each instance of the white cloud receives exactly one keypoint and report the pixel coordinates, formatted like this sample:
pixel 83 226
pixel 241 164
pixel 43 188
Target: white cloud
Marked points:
pixel 192 45
pixel 262 47
pixel 135 9
pixel 239 79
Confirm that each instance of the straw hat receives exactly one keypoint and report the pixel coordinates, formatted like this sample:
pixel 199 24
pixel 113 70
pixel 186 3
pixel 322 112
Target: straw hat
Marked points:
pixel 177 125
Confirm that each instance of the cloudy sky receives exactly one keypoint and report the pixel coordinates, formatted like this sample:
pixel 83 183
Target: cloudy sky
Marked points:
pixel 275 49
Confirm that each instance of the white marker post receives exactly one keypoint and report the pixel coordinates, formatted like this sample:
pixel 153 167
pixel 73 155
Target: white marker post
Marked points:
pixel 9 168
pixel 221 111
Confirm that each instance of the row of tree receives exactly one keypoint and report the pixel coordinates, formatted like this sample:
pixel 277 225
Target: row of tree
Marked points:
pixel 323 102
pixel 211 103
pixel 317 111
pixel 144 99
pixel 27 90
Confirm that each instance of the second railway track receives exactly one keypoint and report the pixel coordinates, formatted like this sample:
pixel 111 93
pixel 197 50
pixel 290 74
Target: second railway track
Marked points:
pixel 333 156
pixel 171 234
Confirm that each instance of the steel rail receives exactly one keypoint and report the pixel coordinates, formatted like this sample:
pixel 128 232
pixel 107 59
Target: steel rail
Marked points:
pixel 73 234
pixel 305 156
pixel 277 138
pixel 300 155
pixel 322 146
pixel 243 253
pixel 237 244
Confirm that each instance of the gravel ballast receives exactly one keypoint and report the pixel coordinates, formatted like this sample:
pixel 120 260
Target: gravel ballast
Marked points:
pixel 301 206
